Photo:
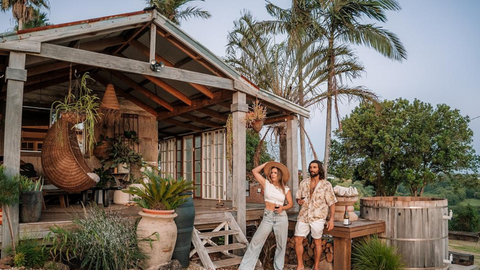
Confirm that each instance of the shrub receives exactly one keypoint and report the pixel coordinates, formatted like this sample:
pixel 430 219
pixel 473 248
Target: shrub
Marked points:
pixel 29 254
pixel 101 241
pixel 465 218
pixel 372 253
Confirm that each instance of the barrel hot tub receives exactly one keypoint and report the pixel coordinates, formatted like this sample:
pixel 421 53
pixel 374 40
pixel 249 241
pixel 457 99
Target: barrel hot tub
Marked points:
pixel 414 225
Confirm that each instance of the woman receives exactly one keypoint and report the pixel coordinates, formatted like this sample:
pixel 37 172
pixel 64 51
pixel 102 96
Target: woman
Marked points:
pixel 274 218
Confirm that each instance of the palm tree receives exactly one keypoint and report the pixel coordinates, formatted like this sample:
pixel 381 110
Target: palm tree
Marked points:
pixel 39 19
pixel 23 10
pixel 293 70
pixel 171 10
pixel 341 21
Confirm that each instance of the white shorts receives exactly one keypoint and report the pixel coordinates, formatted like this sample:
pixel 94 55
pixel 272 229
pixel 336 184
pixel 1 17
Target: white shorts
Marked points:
pixel 316 227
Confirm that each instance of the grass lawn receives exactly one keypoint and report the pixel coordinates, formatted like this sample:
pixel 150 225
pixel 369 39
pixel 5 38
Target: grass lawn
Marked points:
pixel 472 202
pixel 466 247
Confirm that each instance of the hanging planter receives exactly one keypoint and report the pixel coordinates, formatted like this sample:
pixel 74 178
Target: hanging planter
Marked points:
pixel 257 125
pixel 255 117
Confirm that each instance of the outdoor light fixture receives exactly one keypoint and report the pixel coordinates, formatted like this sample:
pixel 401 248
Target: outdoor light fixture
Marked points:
pixel 156 66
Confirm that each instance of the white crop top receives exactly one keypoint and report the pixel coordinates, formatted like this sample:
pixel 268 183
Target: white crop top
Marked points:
pixel 273 194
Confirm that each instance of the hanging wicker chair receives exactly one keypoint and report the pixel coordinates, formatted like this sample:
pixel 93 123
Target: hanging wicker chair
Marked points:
pixel 62 160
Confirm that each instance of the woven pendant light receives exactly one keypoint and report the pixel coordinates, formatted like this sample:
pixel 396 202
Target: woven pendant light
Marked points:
pixel 110 106
pixel 110 100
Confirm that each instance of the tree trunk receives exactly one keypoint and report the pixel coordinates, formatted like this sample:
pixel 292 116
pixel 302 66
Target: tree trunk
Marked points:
pixel 331 88
pixel 282 134
pixel 303 153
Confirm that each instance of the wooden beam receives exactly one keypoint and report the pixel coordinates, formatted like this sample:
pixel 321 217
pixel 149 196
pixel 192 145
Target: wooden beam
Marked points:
pixel 292 155
pixel 153 42
pixel 20 46
pixel 200 120
pixel 160 101
pixel 189 52
pixel 12 139
pixel 170 89
pixel 278 119
pixel 130 65
pixel 142 48
pixel 53 75
pixel 184 61
pixel 213 114
pixel 41 69
pixel 132 37
pixel 196 104
pixel 84 28
pixel 239 157
pixel 128 96
pixel 182 124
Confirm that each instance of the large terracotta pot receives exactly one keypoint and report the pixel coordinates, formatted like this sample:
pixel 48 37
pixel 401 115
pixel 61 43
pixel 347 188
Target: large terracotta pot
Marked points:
pixel 150 225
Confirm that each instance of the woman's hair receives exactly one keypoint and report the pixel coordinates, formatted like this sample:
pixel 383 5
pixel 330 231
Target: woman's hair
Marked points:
pixel 279 176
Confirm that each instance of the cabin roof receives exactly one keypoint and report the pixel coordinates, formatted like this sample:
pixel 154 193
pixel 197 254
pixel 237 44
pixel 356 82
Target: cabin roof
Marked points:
pixel 193 92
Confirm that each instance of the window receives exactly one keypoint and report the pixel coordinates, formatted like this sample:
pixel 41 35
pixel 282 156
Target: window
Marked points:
pixel 167 158
pixel 213 165
pixel 35 124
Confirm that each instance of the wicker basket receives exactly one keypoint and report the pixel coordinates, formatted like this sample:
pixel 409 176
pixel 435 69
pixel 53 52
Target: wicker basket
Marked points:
pixel 73 117
pixel 62 160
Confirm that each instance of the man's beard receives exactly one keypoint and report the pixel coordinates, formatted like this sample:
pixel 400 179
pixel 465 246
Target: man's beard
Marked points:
pixel 313 174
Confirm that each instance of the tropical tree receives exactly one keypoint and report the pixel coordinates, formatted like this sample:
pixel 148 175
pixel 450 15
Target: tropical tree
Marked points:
pixel 39 19
pixel 23 11
pixel 342 24
pixel 172 10
pixel 405 143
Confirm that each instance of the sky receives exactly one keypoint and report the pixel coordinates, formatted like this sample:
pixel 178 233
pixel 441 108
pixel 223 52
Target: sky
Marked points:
pixel 441 38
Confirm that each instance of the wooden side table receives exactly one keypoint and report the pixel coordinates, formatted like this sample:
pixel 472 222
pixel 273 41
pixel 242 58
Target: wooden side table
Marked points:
pixel 342 239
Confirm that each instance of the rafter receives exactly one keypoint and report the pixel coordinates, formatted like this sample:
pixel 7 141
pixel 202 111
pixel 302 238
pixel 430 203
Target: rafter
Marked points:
pixel 144 49
pixel 200 120
pixel 196 104
pixel 170 89
pixel 160 101
pixel 213 114
pixel 128 96
pixel 189 52
pixel 182 124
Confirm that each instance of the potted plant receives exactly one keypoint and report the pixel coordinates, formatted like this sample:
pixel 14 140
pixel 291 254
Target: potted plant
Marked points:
pixel 82 108
pixel 255 116
pixel 159 197
pixel 122 156
pixel 31 198
pixel 9 195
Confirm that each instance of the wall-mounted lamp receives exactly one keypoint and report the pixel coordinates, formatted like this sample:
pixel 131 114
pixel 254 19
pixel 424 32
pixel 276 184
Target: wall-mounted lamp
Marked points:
pixel 156 66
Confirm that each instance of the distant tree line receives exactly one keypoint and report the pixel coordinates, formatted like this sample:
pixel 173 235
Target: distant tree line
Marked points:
pixel 404 143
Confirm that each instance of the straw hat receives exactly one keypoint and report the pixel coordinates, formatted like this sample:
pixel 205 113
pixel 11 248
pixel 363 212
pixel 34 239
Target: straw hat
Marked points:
pixel 285 173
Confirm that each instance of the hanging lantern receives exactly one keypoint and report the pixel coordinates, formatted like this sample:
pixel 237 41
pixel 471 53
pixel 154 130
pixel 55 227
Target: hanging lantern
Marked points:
pixel 110 106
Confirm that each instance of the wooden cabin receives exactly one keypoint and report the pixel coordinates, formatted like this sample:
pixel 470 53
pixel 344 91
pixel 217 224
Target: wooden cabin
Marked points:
pixel 179 103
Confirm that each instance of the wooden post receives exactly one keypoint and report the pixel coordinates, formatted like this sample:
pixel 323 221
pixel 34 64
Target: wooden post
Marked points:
pixel 238 108
pixel 15 75
pixel 292 157
pixel 153 41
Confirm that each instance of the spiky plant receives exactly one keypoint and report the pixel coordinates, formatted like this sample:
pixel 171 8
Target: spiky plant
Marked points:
pixel 374 254
pixel 160 193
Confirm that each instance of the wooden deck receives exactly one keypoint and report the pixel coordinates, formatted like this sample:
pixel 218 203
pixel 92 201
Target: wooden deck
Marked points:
pixel 55 215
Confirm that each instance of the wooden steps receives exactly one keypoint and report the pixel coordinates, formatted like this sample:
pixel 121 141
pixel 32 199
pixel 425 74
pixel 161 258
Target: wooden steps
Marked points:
pixel 225 225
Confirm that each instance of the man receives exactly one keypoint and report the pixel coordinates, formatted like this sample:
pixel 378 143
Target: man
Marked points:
pixel 316 196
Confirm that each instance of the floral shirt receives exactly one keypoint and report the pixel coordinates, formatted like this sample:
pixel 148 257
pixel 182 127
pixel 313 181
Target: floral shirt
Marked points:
pixel 317 205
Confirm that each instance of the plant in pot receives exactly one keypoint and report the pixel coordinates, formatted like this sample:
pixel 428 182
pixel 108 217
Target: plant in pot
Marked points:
pixel 159 197
pixel 82 108
pixel 9 195
pixel 255 116
pixel 121 155
pixel 31 198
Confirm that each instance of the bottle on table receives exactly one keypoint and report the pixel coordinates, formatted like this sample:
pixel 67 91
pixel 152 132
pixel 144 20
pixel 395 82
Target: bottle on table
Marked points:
pixel 346 219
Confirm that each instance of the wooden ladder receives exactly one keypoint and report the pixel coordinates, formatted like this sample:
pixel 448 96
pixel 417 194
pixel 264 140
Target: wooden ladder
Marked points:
pixel 226 226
